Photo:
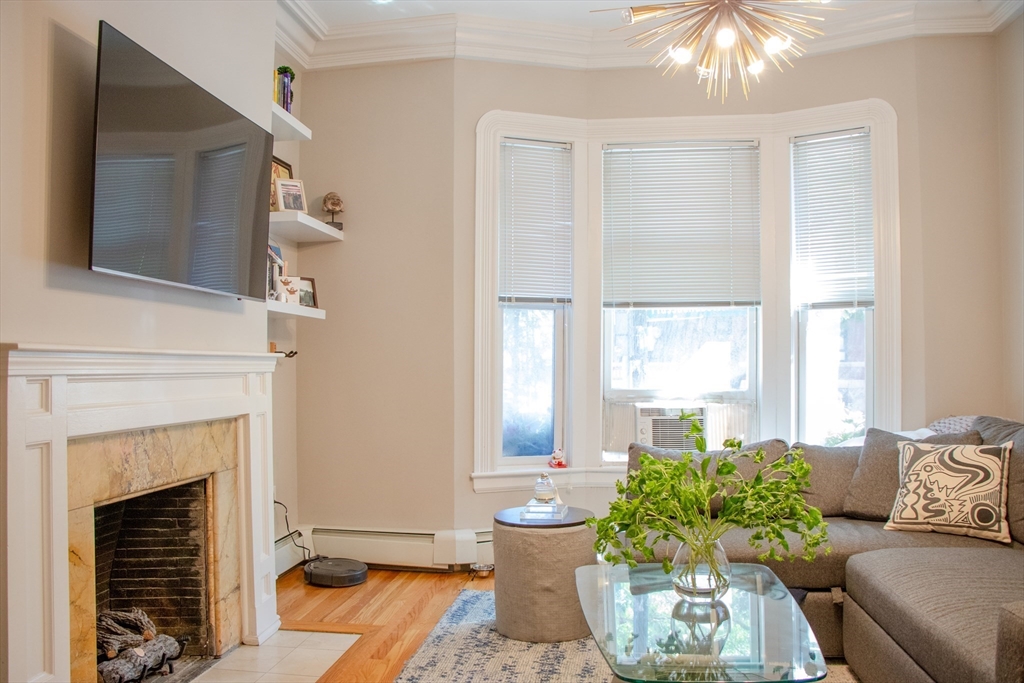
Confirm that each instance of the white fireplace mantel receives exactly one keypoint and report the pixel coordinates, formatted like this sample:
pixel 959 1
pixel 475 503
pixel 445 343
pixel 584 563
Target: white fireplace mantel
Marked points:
pixel 51 394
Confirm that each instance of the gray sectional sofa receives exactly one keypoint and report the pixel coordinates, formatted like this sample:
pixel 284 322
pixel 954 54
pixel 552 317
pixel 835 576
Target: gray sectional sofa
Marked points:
pixel 901 605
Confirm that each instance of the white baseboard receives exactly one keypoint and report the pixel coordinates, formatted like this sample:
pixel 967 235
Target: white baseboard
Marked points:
pixel 440 550
pixel 287 554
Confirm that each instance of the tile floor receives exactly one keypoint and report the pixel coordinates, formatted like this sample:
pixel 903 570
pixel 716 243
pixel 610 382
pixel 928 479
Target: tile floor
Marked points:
pixel 287 657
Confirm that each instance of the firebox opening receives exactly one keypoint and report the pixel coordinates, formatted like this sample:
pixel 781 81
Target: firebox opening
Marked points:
pixel 151 553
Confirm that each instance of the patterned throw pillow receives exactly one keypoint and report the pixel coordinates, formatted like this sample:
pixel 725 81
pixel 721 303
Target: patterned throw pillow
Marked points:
pixel 953 490
pixel 953 424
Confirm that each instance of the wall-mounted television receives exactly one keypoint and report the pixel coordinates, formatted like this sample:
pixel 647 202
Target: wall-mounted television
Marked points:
pixel 180 186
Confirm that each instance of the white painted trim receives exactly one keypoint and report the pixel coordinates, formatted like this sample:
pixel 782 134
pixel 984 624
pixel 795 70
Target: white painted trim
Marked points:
pixel 491 128
pixel 773 132
pixel 51 394
pixel 524 479
pixel 302 32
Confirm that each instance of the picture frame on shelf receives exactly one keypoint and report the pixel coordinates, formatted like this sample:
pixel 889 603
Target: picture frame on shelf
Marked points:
pixel 279 168
pixel 307 292
pixel 290 195
pixel 287 289
pixel 275 266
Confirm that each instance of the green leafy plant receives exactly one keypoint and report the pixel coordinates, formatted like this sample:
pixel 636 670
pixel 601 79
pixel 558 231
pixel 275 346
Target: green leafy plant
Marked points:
pixel 672 499
pixel 287 70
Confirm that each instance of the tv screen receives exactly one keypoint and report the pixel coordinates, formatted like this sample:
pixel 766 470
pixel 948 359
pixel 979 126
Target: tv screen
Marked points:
pixel 180 189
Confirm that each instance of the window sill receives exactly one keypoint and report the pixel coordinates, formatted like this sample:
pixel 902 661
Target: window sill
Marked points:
pixel 523 479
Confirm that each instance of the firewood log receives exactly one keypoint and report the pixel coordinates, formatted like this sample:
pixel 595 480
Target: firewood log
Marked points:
pixel 117 631
pixel 135 663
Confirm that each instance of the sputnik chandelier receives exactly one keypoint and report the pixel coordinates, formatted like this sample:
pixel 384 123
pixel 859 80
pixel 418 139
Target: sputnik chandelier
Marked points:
pixel 726 37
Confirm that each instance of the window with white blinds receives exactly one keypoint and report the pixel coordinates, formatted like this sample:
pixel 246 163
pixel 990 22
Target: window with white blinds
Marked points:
pixel 682 224
pixel 535 222
pixel 134 210
pixel 218 195
pixel 833 221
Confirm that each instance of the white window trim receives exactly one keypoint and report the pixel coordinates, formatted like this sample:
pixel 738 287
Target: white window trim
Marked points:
pixel 777 330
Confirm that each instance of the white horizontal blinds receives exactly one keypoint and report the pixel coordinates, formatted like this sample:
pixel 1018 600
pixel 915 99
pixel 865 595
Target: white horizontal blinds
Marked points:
pixel 535 222
pixel 218 198
pixel 682 224
pixel 833 220
pixel 134 211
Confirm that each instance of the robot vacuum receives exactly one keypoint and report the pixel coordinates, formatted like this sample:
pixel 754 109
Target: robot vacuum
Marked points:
pixel 333 572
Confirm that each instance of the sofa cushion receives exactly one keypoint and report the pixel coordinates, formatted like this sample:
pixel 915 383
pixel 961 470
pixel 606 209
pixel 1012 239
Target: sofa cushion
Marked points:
pixel 1010 645
pixel 954 424
pixel 952 490
pixel 773 450
pixel 996 431
pixel 847 537
pixel 940 605
pixel 832 471
pixel 873 490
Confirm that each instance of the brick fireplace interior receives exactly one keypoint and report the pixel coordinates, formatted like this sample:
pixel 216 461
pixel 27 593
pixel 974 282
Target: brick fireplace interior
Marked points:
pixel 151 553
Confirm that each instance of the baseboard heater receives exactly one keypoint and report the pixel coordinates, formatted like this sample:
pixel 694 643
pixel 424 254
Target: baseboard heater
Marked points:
pixel 438 551
pixel 381 548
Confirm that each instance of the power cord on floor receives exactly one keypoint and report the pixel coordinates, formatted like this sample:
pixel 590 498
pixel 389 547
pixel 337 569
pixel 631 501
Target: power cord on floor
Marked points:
pixel 307 553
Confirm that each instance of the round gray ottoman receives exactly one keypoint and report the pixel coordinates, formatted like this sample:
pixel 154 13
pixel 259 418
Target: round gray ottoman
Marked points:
pixel 535 565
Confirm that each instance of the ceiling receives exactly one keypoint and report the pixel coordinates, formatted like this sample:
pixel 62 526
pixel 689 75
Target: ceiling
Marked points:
pixel 569 33
pixel 576 13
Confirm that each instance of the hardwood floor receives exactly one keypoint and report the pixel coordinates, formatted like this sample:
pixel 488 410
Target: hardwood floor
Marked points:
pixel 394 611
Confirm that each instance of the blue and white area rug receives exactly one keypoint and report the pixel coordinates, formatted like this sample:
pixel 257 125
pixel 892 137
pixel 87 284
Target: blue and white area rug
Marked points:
pixel 465 648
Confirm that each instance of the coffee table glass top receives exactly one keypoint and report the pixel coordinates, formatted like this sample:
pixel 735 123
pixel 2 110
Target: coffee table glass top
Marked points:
pixel 647 632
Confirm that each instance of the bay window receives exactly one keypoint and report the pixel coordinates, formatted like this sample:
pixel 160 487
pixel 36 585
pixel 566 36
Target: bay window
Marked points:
pixel 681 227
pixel 745 264
pixel 833 288
pixel 534 293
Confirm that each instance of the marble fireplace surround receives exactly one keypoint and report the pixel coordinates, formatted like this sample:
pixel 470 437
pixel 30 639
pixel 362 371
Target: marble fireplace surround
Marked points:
pixel 56 395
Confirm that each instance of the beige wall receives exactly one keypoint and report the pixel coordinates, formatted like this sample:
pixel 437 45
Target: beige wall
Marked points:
pixel 944 92
pixel 1010 82
pixel 47 84
pixel 376 379
pixel 958 154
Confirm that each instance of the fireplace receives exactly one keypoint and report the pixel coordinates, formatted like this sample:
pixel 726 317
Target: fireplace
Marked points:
pixel 87 429
pixel 119 480
pixel 151 554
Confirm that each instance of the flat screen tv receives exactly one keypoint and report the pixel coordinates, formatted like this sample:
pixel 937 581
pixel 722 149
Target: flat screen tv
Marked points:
pixel 180 191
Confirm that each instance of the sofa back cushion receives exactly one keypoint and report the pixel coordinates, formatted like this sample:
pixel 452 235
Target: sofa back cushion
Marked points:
pixel 876 480
pixel 832 469
pixel 773 450
pixel 996 431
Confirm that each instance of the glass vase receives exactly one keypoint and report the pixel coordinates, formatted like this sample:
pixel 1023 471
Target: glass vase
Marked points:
pixel 701 571
pixel 701 627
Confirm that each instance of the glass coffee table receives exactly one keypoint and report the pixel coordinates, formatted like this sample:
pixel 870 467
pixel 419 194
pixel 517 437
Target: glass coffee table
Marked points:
pixel 647 632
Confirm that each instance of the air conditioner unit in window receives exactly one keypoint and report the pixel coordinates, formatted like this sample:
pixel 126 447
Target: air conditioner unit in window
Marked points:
pixel 658 425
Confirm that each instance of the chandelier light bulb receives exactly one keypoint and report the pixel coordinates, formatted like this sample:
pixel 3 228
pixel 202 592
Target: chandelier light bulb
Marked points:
pixel 680 54
pixel 627 16
pixel 725 37
pixel 777 44
pixel 757 67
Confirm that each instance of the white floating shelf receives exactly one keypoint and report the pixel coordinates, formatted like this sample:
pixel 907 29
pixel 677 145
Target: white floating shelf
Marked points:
pixel 296 226
pixel 278 309
pixel 286 127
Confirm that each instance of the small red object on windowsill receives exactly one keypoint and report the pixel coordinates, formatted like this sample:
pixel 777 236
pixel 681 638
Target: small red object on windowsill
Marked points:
pixel 557 460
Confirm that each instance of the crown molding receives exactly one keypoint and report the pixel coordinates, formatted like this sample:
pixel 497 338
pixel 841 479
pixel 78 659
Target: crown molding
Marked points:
pixel 316 45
